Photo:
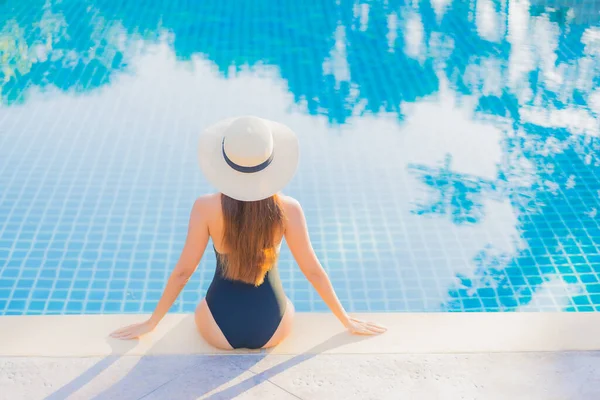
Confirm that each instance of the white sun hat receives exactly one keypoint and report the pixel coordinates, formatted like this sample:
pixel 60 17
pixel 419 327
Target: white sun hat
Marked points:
pixel 248 158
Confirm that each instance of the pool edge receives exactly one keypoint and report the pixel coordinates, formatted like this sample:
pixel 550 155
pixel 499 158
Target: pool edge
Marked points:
pixel 314 333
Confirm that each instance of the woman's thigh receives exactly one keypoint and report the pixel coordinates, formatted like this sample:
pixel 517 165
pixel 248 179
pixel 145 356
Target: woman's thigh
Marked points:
pixel 208 328
pixel 285 326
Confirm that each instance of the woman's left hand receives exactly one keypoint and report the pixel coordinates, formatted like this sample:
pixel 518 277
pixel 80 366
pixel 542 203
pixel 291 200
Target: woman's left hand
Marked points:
pixel 133 331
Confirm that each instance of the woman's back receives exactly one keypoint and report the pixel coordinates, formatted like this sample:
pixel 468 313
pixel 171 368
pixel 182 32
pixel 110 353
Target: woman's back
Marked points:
pixel 216 223
pixel 247 313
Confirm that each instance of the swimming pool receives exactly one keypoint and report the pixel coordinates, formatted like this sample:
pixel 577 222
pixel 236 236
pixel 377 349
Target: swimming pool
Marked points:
pixel 450 158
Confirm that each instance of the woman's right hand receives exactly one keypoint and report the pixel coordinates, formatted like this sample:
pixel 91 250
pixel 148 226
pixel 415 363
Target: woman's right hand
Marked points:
pixel 358 327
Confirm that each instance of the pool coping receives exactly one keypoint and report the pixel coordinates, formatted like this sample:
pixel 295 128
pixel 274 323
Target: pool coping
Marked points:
pixel 314 333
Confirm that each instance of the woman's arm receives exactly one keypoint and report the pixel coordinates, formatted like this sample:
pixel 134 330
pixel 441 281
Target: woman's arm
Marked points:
pixel 298 240
pixel 193 249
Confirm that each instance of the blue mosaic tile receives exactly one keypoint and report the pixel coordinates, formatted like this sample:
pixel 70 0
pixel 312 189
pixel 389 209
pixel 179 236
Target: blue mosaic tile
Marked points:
pixel 439 169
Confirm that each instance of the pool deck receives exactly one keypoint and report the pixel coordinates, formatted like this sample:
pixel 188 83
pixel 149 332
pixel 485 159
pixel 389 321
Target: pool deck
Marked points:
pixel 422 356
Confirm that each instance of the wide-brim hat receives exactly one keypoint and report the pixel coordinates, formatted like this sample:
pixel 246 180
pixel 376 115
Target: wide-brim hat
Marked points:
pixel 248 158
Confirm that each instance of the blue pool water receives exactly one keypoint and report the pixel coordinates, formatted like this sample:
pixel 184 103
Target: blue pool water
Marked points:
pixel 450 153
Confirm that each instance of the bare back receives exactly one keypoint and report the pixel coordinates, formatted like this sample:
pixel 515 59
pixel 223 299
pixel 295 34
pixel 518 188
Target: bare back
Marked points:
pixel 214 219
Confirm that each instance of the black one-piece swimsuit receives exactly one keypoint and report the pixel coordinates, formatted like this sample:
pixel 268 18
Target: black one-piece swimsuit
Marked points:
pixel 248 315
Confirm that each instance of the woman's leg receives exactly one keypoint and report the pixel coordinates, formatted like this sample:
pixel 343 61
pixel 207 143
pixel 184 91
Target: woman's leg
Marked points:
pixel 208 328
pixel 284 328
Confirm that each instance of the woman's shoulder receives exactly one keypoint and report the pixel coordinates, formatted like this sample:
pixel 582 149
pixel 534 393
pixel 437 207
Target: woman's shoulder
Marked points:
pixel 210 197
pixel 208 202
pixel 288 201
pixel 292 208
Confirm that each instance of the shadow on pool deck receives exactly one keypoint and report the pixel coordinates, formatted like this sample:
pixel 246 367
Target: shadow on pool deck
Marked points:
pixel 184 375
pixel 335 341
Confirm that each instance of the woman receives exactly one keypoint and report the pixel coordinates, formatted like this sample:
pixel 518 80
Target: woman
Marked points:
pixel 249 160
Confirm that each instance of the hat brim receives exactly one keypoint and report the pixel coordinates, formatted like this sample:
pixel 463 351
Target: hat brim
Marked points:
pixel 248 186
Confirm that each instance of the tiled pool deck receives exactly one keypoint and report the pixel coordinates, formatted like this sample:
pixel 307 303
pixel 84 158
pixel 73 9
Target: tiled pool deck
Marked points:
pixel 422 356
pixel 499 376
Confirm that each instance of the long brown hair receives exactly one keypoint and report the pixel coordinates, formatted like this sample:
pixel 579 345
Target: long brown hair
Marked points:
pixel 250 228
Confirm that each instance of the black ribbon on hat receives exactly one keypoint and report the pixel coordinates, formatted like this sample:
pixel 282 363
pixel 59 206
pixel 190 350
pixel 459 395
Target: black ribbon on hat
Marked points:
pixel 246 170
